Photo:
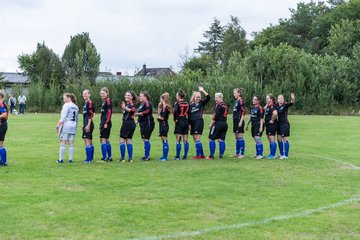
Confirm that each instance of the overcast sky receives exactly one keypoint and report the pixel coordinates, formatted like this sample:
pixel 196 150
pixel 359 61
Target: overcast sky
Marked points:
pixel 127 34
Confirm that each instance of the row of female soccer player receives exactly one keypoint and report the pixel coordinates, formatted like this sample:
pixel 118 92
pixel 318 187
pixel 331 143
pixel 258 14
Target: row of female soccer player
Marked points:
pixel 187 117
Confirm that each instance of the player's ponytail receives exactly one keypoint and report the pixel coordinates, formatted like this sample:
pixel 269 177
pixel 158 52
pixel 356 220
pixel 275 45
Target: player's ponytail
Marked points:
pixel 181 94
pixel 73 98
pixel 239 90
pixel 272 97
pixel 146 94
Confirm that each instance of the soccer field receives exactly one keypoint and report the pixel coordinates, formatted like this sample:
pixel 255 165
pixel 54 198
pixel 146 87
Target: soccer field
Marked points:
pixel 315 194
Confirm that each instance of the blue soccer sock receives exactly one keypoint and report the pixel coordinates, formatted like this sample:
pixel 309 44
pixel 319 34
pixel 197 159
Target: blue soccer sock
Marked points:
pixel 147 147
pixel 165 149
pixel 259 146
pixel 109 150
pixel 287 148
pixel 92 150
pixel 201 150
pixel 122 150
pixel 242 146
pixel 281 148
pixel 178 149
pixel 103 150
pixel 212 146
pixel 237 149
pixel 88 152
pixel 197 148
pixel 222 147
pixel 186 149
pixel 273 149
pixel 130 150
pixel 3 156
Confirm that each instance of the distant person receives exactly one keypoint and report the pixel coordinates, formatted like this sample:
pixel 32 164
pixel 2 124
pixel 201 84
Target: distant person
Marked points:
pixel 239 112
pixel 146 122
pixel 284 125
pixel 88 126
pixel 218 127
pixel 164 109
pixel 12 104
pixel 128 126
pixel 3 128
pixel 67 125
pixel 196 120
pixel 105 125
pixel 271 123
pixel 257 125
pixel 22 103
pixel 181 114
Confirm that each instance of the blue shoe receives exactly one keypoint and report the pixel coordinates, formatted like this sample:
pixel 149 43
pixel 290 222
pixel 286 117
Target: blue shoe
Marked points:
pixel 60 161
pixel 163 159
pixel 270 157
pixel 71 161
pixel 87 161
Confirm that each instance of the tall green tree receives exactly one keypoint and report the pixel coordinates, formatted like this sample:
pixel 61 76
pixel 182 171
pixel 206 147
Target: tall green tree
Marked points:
pixel 43 65
pixel 213 44
pixel 234 40
pixel 343 37
pixel 81 59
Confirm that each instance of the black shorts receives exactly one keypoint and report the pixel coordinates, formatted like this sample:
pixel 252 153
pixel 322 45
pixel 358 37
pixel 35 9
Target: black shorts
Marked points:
pixel 127 129
pixel 146 129
pixel 88 135
pixel 3 130
pixel 105 132
pixel 181 127
pixel 163 128
pixel 271 128
pixel 255 130
pixel 218 131
pixel 284 130
pixel 236 128
pixel 197 126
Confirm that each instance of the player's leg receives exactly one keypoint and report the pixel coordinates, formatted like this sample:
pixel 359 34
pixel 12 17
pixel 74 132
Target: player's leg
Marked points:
pixel 122 143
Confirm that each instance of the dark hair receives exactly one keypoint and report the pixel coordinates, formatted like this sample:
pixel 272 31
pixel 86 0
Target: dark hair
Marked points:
pixel 146 94
pixel 239 90
pixel 258 97
pixel 181 93
pixel 272 98
pixel 71 96
pixel 134 97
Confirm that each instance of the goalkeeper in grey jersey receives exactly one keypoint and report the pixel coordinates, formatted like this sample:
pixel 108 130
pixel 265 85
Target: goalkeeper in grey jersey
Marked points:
pixel 67 125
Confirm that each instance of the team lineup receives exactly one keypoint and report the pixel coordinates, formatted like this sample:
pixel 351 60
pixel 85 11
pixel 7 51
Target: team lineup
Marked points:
pixel 188 117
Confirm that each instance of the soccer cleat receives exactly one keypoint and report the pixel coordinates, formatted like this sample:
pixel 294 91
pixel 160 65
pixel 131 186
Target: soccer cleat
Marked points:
pixel 270 157
pixel 130 160
pixel 259 157
pixel 145 159
pixel 176 158
pixel 235 156
pixel 163 159
pixel 87 161
pixel 184 158
pixel 71 161
pixel 221 156
pixel 282 157
pixel 210 158
pixel 60 161
pixel 241 156
pixel 121 160
pixel 109 159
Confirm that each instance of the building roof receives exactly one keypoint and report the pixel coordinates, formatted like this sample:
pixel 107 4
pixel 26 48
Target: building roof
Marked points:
pixel 15 78
pixel 154 72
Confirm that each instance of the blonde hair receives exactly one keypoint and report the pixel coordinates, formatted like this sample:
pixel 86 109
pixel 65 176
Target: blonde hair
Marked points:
pixel 220 95
pixel 105 89
pixel 192 99
pixel 2 93
pixel 166 98
pixel 239 90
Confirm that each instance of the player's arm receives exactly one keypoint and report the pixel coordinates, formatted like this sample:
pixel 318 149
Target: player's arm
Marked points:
pixel 242 115
pixel 292 95
pixel 248 122
pixel 274 116
pixel 261 115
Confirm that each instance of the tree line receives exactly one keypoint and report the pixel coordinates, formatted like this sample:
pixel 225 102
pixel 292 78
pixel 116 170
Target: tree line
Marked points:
pixel 315 53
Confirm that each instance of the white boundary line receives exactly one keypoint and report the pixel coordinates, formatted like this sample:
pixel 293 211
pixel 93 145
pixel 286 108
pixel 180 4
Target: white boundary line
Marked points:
pixel 250 224
pixel 333 159
pixel 266 220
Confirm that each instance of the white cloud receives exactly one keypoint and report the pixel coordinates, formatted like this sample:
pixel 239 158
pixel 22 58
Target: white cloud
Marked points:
pixel 126 33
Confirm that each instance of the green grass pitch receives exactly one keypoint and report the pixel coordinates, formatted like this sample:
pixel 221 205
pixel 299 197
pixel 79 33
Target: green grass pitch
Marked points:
pixel 299 198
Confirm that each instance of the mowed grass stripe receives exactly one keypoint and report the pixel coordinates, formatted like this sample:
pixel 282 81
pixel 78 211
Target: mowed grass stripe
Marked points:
pixel 44 200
